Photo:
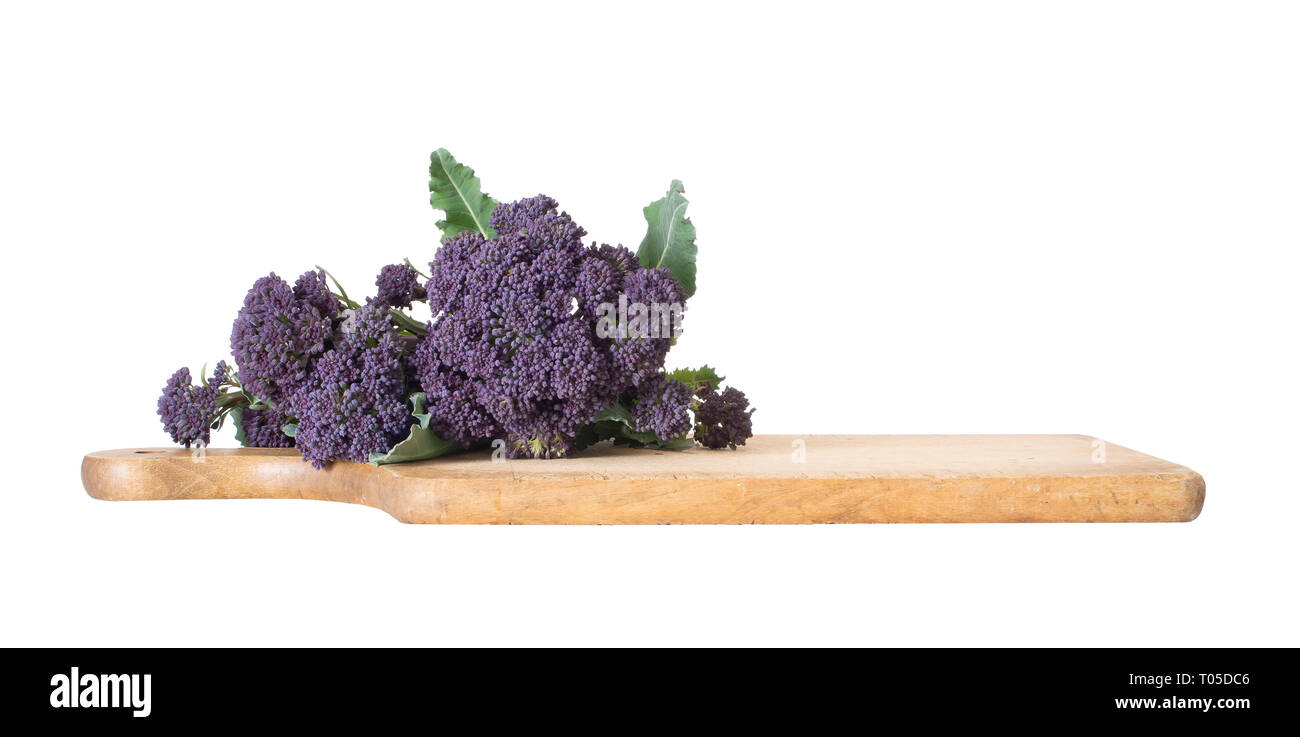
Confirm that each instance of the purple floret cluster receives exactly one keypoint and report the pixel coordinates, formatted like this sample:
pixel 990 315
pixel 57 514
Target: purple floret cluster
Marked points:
pixel 640 358
pixel 280 333
pixel 514 351
pixel 535 338
pixel 398 286
pixel 663 407
pixel 354 402
pixel 722 420
pixel 188 411
pixel 264 428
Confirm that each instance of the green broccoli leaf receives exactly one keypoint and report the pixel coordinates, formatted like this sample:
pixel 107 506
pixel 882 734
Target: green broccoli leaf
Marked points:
pixel 599 431
pixel 590 434
pixel 237 416
pixel 706 375
pixel 617 413
pixel 615 423
pixel 650 441
pixel 457 192
pixel 670 240
pixel 420 444
pixel 683 443
pixel 418 400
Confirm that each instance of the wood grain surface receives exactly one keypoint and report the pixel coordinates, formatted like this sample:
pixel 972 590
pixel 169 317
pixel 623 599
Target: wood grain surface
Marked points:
pixel 775 479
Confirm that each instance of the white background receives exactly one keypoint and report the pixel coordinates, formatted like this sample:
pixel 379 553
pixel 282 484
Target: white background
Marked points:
pixel 913 218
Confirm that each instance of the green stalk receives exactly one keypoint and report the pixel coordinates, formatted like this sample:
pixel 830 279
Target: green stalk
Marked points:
pixel 406 322
pixel 342 294
pixel 407 261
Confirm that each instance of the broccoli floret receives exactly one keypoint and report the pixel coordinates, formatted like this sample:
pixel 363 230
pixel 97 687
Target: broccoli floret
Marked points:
pixel 398 286
pixel 354 402
pixel 188 410
pixel 723 420
pixel 662 407
pixel 514 347
pixel 280 333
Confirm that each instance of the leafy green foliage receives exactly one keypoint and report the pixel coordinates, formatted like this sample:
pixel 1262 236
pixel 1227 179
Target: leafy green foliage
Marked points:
pixel 420 444
pixel 694 378
pixel 457 192
pixel 615 423
pixel 237 416
pixel 616 412
pixel 670 240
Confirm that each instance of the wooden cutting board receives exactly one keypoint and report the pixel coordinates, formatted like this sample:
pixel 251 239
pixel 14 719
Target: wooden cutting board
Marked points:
pixel 775 479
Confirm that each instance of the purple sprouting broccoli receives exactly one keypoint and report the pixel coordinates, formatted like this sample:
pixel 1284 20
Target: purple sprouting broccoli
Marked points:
pixel 454 402
pixel 312 288
pixel 354 401
pixel 662 408
pixel 263 428
pixel 640 349
pixel 188 411
pixel 515 348
pixel 623 260
pixel 536 339
pixel 280 333
pixel 398 286
pixel 722 420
